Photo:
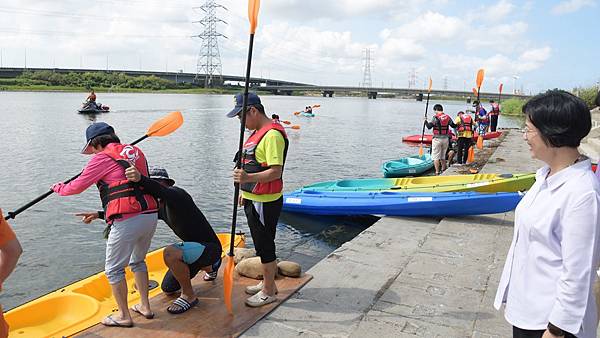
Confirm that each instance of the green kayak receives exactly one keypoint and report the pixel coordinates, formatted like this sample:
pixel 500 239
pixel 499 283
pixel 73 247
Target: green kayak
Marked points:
pixel 407 166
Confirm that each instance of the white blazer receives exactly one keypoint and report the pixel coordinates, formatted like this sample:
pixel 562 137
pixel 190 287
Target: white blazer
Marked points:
pixel 551 263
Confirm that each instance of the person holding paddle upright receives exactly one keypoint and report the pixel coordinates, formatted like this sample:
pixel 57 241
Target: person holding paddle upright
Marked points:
pixel 441 124
pixel 130 212
pixel 260 179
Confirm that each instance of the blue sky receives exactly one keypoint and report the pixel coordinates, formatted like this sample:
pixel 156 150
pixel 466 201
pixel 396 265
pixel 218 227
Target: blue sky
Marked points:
pixel 544 44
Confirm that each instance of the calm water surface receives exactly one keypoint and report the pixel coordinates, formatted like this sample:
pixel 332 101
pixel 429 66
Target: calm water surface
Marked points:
pixel 43 134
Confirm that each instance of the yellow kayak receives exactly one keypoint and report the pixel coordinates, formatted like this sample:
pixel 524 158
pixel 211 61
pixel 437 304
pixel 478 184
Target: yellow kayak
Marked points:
pixel 480 182
pixel 83 304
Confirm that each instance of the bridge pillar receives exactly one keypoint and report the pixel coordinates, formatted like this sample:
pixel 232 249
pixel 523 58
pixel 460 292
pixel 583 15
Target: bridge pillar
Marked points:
pixel 420 97
pixel 328 93
pixel 372 95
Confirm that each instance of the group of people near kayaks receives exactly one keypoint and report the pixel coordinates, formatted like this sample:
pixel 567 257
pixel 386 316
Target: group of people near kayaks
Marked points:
pixel 443 146
pixel 134 196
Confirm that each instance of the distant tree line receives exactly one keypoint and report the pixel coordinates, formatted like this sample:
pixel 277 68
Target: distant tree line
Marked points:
pixel 96 80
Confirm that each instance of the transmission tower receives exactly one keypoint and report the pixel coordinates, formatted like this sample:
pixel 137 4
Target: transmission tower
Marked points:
pixel 445 83
pixel 367 69
pixel 209 58
pixel 412 78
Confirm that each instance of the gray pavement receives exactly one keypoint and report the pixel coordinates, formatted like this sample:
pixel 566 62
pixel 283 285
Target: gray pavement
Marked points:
pixel 407 277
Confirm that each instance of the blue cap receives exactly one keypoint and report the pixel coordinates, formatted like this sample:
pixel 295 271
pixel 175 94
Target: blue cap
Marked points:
pixel 95 130
pixel 239 102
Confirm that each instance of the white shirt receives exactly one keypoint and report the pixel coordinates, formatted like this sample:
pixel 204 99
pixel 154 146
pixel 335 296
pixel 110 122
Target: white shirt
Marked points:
pixel 551 263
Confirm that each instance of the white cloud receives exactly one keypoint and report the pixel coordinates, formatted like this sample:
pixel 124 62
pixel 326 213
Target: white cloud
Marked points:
pixel 571 6
pixel 498 11
pixel 429 26
pixel 505 37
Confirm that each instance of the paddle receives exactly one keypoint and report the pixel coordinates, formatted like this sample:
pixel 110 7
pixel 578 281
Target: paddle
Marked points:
pixel 285 122
pixel 162 127
pixel 479 82
pixel 500 93
pixel 253 6
pixel 423 131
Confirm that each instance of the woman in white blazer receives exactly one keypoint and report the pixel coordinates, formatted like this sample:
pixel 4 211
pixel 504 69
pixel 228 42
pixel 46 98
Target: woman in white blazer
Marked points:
pixel 546 284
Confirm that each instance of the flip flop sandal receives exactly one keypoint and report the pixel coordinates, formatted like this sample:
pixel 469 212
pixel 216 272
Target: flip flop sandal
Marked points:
pixel 183 305
pixel 110 321
pixel 210 276
pixel 136 309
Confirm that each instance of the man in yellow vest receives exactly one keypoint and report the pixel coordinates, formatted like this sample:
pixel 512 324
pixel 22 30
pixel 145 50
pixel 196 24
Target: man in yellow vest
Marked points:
pixel 260 179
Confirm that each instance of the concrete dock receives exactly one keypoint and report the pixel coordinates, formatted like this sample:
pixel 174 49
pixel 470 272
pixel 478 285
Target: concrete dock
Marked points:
pixel 407 277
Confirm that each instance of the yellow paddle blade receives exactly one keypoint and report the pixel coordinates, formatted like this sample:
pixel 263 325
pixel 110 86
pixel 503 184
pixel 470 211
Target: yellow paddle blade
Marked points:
pixel 480 142
pixel 480 78
pixel 296 127
pixel 421 151
pixel 166 125
pixel 253 6
pixel 429 90
pixel 228 283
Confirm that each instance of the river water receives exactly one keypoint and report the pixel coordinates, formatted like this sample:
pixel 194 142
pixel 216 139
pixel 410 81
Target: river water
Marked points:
pixel 42 135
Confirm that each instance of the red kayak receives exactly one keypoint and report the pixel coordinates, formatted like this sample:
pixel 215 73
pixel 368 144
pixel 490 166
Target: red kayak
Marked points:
pixel 427 137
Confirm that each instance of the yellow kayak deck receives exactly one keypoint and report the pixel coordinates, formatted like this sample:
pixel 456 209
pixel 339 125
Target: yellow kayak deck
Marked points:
pixel 489 183
pixel 85 303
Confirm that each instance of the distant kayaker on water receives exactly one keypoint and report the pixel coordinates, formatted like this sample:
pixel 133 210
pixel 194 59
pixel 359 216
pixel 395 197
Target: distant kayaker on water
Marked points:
pixel 91 97
pixel 441 124
pixel 260 179
pixel 10 251
pixel 200 249
pixel 130 212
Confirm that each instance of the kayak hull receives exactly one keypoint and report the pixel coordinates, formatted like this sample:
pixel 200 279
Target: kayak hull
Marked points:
pixel 399 203
pixel 81 305
pixel 407 166
pixel 92 111
pixel 428 137
pixel 452 183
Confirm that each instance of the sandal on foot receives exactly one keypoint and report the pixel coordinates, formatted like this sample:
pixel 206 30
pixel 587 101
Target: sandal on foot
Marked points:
pixel 210 276
pixel 136 309
pixel 110 321
pixel 182 305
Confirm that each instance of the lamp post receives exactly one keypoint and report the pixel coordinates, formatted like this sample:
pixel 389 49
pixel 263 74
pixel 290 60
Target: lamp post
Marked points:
pixel 515 77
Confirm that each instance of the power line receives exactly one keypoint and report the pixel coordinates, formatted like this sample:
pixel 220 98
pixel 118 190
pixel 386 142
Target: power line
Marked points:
pixel 367 69
pixel 209 58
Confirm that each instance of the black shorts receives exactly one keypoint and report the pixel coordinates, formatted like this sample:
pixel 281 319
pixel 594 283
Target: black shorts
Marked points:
pixel 263 235
pixel 210 256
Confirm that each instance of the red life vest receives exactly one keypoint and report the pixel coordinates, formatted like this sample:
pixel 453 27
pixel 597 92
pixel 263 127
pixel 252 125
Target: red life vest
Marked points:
pixel 442 126
pixel 124 197
pixel 495 109
pixel 466 123
pixel 251 165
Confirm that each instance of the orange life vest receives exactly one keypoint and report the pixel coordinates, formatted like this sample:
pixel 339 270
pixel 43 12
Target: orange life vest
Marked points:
pixel 124 197
pixel 442 126
pixel 251 165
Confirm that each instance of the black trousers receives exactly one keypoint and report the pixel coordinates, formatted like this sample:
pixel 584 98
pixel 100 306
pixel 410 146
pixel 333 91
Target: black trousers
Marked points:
pixel 263 235
pixel 520 333
pixel 493 122
pixel 463 149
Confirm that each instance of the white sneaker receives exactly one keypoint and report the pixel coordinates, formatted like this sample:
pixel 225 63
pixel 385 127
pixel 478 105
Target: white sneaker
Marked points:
pixel 260 299
pixel 254 289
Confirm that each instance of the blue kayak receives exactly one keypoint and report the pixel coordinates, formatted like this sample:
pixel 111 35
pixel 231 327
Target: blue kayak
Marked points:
pixel 399 203
pixel 407 166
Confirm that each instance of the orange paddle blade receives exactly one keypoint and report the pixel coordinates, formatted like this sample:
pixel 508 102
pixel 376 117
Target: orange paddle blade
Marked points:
pixel 473 171
pixel 316 105
pixel 166 125
pixel 421 151
pixel 296 127
pixel 296 113
pixel 480 142
pixel 429 89
pixel 286 122
pixel 471 156
pixel 480 78
pixel 500 88
pixel 475 91
pixel 228 283
pixel 253 6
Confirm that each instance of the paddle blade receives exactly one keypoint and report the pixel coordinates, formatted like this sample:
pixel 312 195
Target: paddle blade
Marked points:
pixel 500 88
pixel 286 122
pixel 429 89
pixel 471 156
pixel 421 151
pixel 296 113
pixel 228 283
pixel 475 91
pixel 480 78
pixel 253 6
pixel 166 125
pixel 480 142
pixel 296 127
pixel 316 105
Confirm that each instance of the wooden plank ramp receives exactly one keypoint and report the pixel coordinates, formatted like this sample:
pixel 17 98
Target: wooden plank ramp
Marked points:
pixel 209 318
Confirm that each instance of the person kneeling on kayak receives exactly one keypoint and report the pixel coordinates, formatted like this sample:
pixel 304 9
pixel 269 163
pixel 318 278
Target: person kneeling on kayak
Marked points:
pixel 200 248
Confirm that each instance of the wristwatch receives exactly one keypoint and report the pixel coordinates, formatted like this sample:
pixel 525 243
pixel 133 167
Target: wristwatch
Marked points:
pixel 555 330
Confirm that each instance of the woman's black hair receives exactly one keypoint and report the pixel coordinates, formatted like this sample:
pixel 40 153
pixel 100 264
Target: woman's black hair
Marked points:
pixel 562 118
pixel 104 140
pixel 438 107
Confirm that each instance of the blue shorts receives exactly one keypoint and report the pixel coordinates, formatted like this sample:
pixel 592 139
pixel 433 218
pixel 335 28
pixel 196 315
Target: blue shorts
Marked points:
pixel 191 251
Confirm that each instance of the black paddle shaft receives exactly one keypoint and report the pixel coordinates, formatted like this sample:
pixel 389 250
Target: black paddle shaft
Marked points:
pixel 238 163
pixel 13 214
pixel 426 108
